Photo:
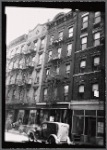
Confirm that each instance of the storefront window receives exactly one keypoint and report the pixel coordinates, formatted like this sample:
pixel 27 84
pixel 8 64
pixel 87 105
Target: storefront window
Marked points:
pixel 100 127
pixel 90 126
pixel 78 124
pixel 32 117
pixel 21 115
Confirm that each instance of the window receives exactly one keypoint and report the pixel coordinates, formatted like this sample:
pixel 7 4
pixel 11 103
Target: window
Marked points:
pixel 35 46
pixel 81 91
pixel 82 65
pixel 55 92
pixel 12 53
pixel 37 77
pixel 67 68
pixel 95 90
pixel 96 62
pixel 42 43
pixel 85 22
pixel 83 43
pixel 66 90
pixel 50 55
pixel 69 49
pixel 40 59
pixel 59 52
pixel 71 32
pixel 45 93
pixel 97 17
pixel 51 39
pixel 35 94
pixel 60 35
pixel 18 50
pixel 47 72
pixel 97 39
pixel 57 70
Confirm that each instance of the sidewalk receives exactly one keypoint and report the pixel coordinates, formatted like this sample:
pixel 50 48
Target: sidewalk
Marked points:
pixel 16 132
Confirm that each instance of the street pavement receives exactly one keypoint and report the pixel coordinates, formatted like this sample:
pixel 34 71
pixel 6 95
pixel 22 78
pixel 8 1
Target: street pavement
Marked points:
pixel 12 136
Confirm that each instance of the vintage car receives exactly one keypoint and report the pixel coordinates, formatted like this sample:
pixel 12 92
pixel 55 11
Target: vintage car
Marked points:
pixel 50 132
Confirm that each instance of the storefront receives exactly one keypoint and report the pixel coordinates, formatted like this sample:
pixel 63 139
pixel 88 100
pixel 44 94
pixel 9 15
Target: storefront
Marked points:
pixel 40 113
pixel 88 125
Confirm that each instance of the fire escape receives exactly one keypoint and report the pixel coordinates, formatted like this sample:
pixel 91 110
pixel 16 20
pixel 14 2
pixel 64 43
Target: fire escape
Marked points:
pixel 19 73
pixel 54 79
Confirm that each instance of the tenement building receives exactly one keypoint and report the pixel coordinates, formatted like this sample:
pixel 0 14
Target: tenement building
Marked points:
pixel 57 73
pixel 24 72
pixel 59 65
pixel 87 103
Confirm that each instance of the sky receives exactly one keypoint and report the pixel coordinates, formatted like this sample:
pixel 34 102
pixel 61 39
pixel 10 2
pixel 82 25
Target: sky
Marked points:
pixel 21 19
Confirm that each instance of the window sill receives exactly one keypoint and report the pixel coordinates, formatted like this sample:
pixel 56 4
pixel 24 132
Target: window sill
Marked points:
pixel 84 28
pixel 88 48
pixel 96 23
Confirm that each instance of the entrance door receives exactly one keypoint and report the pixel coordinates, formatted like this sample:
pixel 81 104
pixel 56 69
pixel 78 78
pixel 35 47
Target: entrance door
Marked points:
pixel 92 127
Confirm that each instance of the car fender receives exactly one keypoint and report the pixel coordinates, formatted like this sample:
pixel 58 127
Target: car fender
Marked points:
pixel 56 139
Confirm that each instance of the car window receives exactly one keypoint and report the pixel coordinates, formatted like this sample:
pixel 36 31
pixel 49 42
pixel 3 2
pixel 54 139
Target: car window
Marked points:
pixel 49 128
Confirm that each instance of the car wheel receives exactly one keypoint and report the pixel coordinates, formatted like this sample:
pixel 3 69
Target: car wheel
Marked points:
pixel 31 137
pixel 51 140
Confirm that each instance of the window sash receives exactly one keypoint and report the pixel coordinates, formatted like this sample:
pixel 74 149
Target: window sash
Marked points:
pixel 51 39
pixel 97 36
pixel 67 68
pixel 60 35
pixel 97 14
pixel 84 40
pixel 85 19
pixel 40 59
pixel 70 32
pixel 97 42
pixel 50 55
pixel 42 41
pixel 84 46
pixel 59 52
pixel 48 72
pixel 96 61
pixel 98 19
pixel 45 92
pixel 83 64
pixel 81 89
pixel 57 70
pixel 66 89
pixel 95 87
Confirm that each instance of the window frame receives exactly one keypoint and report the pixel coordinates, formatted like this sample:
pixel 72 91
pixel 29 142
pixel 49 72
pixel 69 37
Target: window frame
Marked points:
pixel 59 36
pixel 49 56
pixel 84 43
pixel 40 59
pixel 95 39
pixel 92 95
pixel 84 22
pixel 69 51
pixel 82 68
pixel 59 54
pixel 81 94
pixel 68 71
pixel 96 17
pixel 70 34
pixel 66 94
pixel 51 40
